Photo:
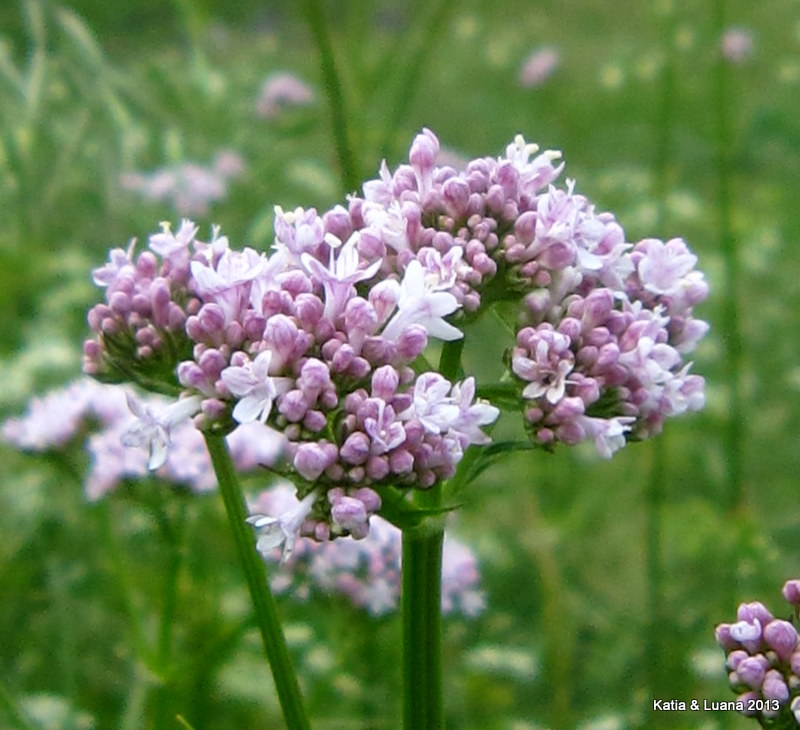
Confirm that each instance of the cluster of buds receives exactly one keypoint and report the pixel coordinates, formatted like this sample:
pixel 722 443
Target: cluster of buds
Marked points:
pixel 365 572
pixel 764 659
pixel 324 339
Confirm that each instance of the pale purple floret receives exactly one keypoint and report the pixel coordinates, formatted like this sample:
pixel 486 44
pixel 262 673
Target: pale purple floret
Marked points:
pixel 282 531
pixel 228 283
pixel 253 386
pixel 171 246
pixel 152 429
pixel 340 275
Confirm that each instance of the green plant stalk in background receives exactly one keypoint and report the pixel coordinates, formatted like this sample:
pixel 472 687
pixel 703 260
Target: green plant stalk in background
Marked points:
pixel 275 648
pixel 655 650
pixel 733 341
pixel 315 17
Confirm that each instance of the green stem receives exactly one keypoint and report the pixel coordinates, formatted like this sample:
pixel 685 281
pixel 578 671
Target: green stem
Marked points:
pixel 315 17
pixel 174 535
pixel 417 58
pixel 423 706
pixel 655 648
pixel 654 657
pixel 732 337
pixel 275 648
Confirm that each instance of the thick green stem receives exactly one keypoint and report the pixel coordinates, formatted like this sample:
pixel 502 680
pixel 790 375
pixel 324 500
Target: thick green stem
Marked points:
pixel 423 706
pixel 266 613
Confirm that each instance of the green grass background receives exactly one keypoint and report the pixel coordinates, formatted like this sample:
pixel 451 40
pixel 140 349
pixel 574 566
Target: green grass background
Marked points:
pixel 604 579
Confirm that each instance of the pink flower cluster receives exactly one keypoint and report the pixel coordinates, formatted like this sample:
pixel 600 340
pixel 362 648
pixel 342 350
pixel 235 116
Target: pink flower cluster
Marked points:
pixel 366 572
pixel 322 338
pixel 98 414
pixel 280 91
pixel 189 186
pixel 139 331
pixel 764 658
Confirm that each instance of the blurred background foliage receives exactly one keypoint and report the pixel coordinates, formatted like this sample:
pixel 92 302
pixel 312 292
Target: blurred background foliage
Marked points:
pixel 604 580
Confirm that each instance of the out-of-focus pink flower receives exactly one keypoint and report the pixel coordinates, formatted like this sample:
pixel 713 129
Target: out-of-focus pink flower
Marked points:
pixel 539 67
pixel 189 186
pixel 282 90
pixel 737 45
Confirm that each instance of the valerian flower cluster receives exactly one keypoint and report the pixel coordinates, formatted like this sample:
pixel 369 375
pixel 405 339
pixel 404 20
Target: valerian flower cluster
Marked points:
pixel 764 659
pixel 324 339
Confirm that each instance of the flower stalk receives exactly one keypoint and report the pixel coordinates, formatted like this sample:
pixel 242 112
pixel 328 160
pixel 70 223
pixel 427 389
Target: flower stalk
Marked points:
pixel 266 614
pixel 423 706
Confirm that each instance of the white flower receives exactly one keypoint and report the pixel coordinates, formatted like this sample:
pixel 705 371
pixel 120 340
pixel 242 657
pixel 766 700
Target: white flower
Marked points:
pixel 608 433
pixel 746 630
pixel 432 405
pixel 153 430
pixel 118 259
pixel 234 269
pixel 389 220
pixel 380 191
pixel 166 244
pixel 341 273
pixel 472 415
pixel 254 387
pixel 666 268
pixel 283 530
pixel 228 284
pixel 418 304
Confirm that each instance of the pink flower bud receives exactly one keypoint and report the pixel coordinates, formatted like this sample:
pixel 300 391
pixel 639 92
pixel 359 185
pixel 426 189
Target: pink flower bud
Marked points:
pixel 412 341
pixel 315 421
pixel 755 610
pixel 781 636
pixel 311 459
pixel 774 687
pixel 293 406
pixel 355 449
pixel 751 670
pixel 791 592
